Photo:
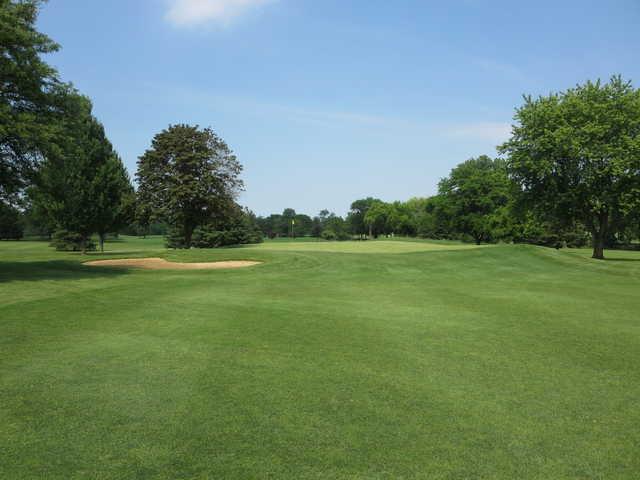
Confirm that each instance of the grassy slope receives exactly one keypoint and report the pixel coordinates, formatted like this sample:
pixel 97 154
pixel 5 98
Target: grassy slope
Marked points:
pixel 405 360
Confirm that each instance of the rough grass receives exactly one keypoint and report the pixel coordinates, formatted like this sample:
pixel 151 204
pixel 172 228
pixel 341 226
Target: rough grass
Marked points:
pixel 393 362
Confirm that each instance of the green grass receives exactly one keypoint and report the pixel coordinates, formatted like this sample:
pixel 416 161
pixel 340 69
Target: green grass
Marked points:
pixel 356 360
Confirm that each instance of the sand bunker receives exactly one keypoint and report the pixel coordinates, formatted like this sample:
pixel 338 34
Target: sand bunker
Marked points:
pixel 162 264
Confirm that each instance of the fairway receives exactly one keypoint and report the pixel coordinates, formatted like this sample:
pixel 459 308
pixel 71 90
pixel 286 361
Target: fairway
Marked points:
pixel 356 360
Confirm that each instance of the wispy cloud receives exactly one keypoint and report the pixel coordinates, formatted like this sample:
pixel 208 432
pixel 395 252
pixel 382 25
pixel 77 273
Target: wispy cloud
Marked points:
pixel 189 13
pixel 470 131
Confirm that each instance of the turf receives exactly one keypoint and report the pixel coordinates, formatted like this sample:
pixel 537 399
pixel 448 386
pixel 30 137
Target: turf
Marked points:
pixel 359 360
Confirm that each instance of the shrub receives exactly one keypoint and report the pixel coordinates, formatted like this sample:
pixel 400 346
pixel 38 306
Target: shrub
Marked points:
pixel 65 241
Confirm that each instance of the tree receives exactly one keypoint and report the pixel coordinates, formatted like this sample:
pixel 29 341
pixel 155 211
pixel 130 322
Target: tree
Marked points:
pixel 476 194
pixel 113 197
pixel 32 97
pixel 11 225
pixel 576 155
pixel 188 178
pixel 82 184
pixel 356 215
pixel 376 218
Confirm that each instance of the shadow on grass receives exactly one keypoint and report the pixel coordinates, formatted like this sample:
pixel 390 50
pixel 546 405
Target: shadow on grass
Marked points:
pixel 606 259
pixel 54 270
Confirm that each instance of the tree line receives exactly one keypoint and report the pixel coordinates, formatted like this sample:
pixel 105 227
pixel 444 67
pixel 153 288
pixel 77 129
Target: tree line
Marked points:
pixel 569 175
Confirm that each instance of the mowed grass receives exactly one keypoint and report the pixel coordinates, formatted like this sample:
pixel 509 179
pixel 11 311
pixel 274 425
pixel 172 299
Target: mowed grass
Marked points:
pixel 359 360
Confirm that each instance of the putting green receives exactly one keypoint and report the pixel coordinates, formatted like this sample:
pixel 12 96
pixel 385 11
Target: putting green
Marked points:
pixel 369 246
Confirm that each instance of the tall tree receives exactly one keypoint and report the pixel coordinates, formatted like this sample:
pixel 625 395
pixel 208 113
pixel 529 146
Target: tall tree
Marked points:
pixel 187 178
pixel 113 197
pixel 576 155
pixel 32 98
pixel 82 184
pixel 476 194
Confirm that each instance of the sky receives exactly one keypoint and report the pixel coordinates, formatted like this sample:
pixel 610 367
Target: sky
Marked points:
pixel 328 101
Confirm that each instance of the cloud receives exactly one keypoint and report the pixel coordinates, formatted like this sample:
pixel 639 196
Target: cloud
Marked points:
pixel 187 13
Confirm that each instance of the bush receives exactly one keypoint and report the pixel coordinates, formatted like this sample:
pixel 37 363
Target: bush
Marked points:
pixel 329 234
pixel 208 237
pixel 65 241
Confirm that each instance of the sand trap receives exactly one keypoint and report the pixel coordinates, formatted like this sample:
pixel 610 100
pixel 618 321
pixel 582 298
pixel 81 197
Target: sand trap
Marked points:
pixel 162 264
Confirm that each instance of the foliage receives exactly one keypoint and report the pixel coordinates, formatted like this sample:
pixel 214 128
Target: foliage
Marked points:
pixel 576 155
pixel 188 178
pixel 66 241
pixel 357 214
pixel 113 197
pixel 32 97
pixel 476 195
pixel 82 185
pixel 238 228
pixel 11 225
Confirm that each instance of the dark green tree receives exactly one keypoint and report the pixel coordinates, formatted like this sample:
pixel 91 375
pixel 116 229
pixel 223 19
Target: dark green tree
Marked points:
pixel 188 178
pixel 81 185
pixel 113 197
pixel 11 222
pixel 64 189
pixel 476 195
pixel 32 98
pixel 576 155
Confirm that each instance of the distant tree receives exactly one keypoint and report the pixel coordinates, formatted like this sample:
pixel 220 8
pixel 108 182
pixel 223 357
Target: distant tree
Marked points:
pixel 376 219
pixel 576 155
pixel 288 219
pixel 334 227
pixel 303 225
pixel 188 178
pixel 434 219
pixel 356 216
pixel 32 98
pixel 400 220
pixel 476 194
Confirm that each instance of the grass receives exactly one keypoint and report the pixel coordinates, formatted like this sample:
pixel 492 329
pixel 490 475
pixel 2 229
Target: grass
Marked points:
pixel 358 360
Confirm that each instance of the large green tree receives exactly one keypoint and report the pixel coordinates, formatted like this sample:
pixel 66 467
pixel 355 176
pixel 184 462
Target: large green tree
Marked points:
pixel 82 186
pixel 32 98
pixel 476 195
pixel 113 197
pixel 576 155
pixel 187 178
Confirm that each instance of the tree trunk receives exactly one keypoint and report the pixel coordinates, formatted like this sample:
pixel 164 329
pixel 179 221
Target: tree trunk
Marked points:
pixel 188 234
pixel 598 234
pixel 370 231
pixel 101 237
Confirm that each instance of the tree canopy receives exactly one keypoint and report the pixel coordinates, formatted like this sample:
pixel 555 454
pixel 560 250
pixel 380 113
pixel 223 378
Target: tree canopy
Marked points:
pixel 188 178
pixel 82 186
pixel 576 155
pixel 32 98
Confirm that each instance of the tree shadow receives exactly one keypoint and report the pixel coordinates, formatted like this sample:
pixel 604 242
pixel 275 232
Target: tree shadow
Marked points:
pixel 54 270
pixel 622 259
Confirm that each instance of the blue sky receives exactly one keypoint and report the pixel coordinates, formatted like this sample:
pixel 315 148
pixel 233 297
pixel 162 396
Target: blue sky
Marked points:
pixel 327 101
